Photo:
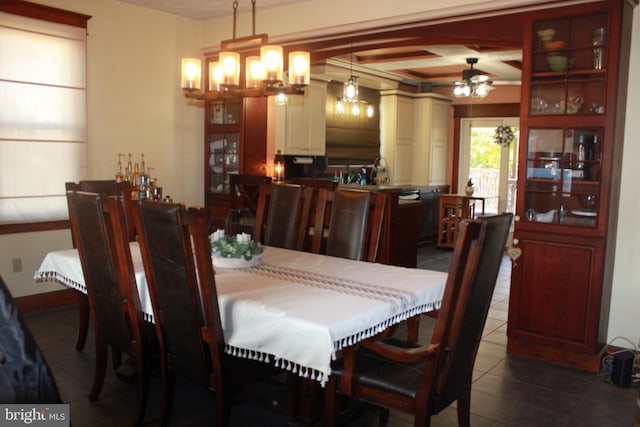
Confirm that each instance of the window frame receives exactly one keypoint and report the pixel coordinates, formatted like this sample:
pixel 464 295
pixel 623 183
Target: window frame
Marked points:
pixel 59 16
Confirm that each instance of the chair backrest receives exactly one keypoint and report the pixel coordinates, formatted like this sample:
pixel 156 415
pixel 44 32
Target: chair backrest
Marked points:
pixel 244 190
pixel 25 376
pixel 98 228
pixel 283 211
pixel 355 224
pixel 177 259
pixel 457 366
pixel 111 188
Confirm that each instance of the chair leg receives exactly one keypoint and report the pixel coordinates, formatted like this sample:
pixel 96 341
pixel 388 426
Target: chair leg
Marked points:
pixel 101 369
pixel 223 406
pixel 168 386
pixel 143 379
pixel 83 327
pixel 330 402
pixel 464 408
pixel 383 416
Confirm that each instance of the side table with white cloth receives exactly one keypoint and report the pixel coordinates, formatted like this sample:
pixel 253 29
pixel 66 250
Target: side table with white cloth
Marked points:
pixel 297 309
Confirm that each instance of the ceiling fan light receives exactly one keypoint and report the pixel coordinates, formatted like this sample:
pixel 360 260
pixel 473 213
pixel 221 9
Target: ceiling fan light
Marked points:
pixel 480 78
pixel 479 91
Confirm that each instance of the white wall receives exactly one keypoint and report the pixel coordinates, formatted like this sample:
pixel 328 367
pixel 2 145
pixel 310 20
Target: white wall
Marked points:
pixel 624 319
pixel 135 105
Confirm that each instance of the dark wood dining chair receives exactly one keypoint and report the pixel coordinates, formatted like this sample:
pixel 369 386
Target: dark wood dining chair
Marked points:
pixel 355 223
pixel 404 375
pixel 111 188
pixel 25 376
pixel 176 253
pixel 282 215
pixel 243 201
pixel 98 227
pixel 244 190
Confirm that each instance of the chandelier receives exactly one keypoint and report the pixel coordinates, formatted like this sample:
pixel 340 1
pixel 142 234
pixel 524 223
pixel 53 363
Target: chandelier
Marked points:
pixel 474 84
pixel 350 96
pixel 263 75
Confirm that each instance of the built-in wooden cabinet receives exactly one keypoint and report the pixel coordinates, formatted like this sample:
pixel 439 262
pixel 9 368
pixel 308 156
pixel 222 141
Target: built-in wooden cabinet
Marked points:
pixel 235 142
pixel 571 131
pixel 297 126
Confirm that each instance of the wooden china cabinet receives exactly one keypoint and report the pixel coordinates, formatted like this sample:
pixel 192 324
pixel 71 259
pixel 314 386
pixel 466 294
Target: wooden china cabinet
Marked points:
pixel 235 143
pixel 575 68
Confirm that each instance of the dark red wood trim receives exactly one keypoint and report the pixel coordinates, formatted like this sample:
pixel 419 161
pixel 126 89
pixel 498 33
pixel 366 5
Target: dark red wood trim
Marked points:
pixel 552 353
pixel 44 13
pixel 28 227
pixel 37 302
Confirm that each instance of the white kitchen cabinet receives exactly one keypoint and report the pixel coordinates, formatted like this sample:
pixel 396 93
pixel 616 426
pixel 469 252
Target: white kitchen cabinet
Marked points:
pixel 414 134
pixel 298 128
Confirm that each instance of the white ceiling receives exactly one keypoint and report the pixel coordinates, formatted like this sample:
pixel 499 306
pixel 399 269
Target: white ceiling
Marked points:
pixel 207 9
pixel 440 65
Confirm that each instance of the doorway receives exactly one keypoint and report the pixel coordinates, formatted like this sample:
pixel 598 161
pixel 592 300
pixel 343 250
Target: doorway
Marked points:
pixel 492 167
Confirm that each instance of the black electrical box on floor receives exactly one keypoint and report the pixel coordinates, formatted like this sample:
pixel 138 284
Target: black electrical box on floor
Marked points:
pixel 621 369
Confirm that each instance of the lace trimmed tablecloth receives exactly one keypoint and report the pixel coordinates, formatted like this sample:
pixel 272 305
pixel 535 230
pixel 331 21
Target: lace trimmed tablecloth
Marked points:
pixel 297 309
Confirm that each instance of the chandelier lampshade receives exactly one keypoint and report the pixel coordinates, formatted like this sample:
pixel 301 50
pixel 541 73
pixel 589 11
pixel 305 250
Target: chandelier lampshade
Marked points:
pixel 191 74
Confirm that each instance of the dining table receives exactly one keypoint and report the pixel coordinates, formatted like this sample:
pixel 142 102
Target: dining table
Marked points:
pixel 296 309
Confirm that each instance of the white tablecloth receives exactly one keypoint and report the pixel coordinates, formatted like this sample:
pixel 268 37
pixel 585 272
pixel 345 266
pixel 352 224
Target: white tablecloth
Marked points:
pixel 297 309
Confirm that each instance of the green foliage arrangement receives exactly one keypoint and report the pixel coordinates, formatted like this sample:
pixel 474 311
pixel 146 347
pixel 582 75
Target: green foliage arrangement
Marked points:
pixel 229 247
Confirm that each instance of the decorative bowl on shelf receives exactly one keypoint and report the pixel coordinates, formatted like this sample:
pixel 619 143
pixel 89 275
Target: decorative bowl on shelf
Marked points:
pixel 546 35
pixel 558 63
pixel 554 47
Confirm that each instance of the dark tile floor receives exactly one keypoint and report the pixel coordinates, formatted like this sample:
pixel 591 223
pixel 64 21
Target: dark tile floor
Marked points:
pixel 507 390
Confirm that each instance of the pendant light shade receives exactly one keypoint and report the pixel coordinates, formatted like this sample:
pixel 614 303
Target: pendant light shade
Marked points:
pixel 230 62
pixel 191 74
pixel 272 63
pixel 254 72
pixel 299 70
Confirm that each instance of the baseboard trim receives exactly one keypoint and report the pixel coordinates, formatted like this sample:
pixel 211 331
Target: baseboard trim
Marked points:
pixel 590 362
pixel 37 302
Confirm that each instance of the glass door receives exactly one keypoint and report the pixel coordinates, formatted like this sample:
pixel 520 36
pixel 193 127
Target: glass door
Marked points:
pixel 492 167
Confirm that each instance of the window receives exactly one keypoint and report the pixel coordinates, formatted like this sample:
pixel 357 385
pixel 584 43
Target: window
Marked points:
pixel 43 126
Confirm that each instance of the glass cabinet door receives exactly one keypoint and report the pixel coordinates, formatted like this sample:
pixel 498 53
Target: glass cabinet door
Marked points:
pixel 223 140
pixel 563 176
pixel 223 160
pixel 569 59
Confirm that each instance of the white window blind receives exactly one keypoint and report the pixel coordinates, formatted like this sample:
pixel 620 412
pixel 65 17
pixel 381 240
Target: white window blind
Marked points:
pixel 43 125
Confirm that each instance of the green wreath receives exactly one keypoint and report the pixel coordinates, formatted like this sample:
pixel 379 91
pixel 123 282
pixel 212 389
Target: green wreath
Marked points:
pixel 504 135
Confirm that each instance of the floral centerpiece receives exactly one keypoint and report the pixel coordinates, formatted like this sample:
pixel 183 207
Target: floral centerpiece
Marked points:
pixel 237 251
pixel 504 135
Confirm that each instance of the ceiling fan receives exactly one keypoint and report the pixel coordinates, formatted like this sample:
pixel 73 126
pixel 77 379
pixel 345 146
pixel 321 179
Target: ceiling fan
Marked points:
pixel 474 83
